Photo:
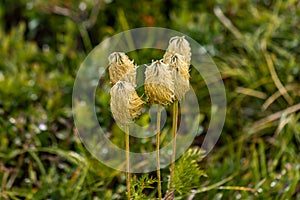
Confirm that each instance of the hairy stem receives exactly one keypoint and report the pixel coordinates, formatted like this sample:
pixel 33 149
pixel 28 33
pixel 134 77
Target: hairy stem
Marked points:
pixel 157 152
pixel 128 176
pixel 174 131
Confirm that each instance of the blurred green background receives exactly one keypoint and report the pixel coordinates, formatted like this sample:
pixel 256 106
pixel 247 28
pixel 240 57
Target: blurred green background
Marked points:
pixel 255 44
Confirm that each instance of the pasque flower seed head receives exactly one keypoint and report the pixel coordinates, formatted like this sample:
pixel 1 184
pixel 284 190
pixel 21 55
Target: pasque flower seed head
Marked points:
pixel 178 57
pixel 125 104
pixel 180 45
pixel 159 85
pixel 176 61
pixel 180 73
pixel 121 68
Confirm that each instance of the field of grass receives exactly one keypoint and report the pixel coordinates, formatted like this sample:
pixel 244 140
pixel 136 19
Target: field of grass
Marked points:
pixel 255 45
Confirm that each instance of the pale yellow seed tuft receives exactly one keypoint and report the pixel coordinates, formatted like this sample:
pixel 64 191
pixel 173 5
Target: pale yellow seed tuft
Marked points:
pixel 176 61
pixel 125 104
pixel 182 46
pixel 135 105
pixel 181 84
pixel 121 68
pixel 180 73
pixel 159 86
pixel 178 56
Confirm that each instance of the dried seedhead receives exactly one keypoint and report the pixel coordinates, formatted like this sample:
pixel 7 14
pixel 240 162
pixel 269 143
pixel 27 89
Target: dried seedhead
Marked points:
pixel 159 85
pixel 125 104
pixel 121 68
pixel 180 73
pixel 181 46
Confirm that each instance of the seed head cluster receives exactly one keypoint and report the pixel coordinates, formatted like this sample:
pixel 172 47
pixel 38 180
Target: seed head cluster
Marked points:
pixel 166 80
pixel 125 104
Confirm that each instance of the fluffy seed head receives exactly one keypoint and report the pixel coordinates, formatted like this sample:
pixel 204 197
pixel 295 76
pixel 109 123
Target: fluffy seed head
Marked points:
pixel 181 84
pixel 159 85
pixel 125 104
pixel 180 73
pixel 121 68
pixel 178 56
pixel 182 46
pixel 176 61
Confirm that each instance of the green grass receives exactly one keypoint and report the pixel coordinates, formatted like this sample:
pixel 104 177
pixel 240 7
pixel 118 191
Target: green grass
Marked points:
pixel 255 45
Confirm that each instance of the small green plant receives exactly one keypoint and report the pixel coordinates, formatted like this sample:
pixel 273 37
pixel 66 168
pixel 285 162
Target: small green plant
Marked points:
pixel 138 186
pixel 187 178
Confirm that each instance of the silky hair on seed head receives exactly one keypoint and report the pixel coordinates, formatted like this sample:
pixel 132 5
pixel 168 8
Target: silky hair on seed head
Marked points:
pixel 159 85
pixel 180 73
pixel 176 61
pixel 178 56
pixel 121 68
pixel 181 84
pixel 180 45
pixel 125 104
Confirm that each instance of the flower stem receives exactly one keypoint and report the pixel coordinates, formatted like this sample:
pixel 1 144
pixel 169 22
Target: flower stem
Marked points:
pixel 128 176
pixel 157 152
pixel 174 131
